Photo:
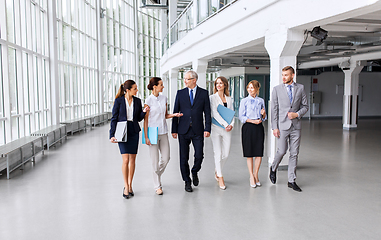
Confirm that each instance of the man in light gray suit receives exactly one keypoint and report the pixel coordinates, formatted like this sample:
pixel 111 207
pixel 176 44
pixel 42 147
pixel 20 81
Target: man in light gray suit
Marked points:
pixel 289 104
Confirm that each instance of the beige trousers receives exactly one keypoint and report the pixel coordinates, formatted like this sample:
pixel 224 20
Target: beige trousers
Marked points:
pixel 159 165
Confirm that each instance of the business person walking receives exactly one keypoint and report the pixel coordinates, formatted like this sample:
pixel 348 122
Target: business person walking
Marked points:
pixel 252 113
pixel 289 104
pixel 221 137
pixel 193 103
pixel 156 117
pixel 128 108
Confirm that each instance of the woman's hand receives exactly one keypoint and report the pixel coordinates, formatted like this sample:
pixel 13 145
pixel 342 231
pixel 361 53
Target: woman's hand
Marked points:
pixel 263 112
pixel 113 140
pixel 148 142
pixel 146 109
pixel 178 114
pixel 229 128
pixel 256 121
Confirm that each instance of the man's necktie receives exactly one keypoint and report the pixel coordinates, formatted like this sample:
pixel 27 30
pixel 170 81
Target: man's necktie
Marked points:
pixel 191 96
pixel 290 93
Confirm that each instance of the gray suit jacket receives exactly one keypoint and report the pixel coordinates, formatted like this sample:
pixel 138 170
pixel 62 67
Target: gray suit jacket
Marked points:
pixel 280 106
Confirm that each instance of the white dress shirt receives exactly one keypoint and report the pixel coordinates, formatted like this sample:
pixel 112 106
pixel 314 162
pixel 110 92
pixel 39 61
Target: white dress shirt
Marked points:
pixel 130 110
pixel 158 109
pixel 194 92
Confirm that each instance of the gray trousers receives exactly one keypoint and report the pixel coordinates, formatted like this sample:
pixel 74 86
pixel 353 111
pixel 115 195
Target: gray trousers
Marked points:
pixel 159 164
pixel 292 137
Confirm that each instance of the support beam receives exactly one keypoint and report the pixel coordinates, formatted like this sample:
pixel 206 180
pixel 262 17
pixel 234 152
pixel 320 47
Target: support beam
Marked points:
pixel 350 101
pixel 200 66
pixel 282 45
pixel 53 57
pixel 172 78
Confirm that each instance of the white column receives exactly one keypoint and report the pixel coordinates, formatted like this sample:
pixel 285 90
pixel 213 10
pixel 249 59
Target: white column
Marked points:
pixel 350 101
pixel 200 66
pixel 172 78
pixel 100 59
pixel 282 45
pixel 53 56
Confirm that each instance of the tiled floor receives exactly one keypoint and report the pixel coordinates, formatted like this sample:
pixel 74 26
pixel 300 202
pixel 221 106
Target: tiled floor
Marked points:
pixel 75 192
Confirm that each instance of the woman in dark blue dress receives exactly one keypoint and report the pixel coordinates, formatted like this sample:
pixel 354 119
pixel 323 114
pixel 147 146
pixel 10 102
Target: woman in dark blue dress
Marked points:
pixel 128 108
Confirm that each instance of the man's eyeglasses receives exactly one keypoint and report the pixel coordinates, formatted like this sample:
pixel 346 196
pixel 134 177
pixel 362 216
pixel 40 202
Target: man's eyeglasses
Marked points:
pixel 187 79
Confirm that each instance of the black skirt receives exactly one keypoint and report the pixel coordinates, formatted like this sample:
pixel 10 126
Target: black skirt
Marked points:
pixel 253 136
pixel 131 146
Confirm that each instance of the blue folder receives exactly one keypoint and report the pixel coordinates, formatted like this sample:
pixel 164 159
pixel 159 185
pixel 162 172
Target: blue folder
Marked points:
pixel 152 135
pixel 226 113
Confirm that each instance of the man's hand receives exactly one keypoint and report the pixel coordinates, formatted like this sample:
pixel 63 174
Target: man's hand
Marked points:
pixel 174 135
pixel 276 133
pixel 292 115
pixel 206 134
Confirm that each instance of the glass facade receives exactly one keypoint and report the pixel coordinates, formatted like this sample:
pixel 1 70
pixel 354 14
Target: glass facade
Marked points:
pixel 99 44
pixel 77 55
pixel 25 95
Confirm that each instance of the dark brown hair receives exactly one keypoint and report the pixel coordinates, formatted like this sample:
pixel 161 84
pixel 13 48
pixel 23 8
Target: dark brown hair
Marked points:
pixel 255 84
pixel 153 82
pixel 289 68
pixel 226 84
pixel 126 85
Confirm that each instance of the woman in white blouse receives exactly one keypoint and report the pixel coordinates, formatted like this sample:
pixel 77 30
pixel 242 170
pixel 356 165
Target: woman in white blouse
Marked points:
pixel 156 117
pixel 221 136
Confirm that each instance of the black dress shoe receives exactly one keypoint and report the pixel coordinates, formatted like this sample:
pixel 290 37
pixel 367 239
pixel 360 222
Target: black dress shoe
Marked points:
pixel 294 186
pixel 195 179
pixel 131 194
pixel 126 196
pixel 188 187
pixel 272 175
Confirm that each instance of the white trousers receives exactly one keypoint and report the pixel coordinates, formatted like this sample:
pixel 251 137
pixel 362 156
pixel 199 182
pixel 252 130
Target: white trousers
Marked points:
pixel 159 165
pixel 221 147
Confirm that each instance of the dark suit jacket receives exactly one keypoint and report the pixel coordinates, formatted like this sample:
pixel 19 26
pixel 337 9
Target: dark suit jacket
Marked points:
pixel 194 114
pixel 119 114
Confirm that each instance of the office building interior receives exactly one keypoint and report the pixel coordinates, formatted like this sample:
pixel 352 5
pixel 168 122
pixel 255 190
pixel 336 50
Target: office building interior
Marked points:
pixel 63 61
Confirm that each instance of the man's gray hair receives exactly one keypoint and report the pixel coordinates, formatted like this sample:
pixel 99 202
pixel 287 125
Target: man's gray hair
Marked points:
pixel 192 73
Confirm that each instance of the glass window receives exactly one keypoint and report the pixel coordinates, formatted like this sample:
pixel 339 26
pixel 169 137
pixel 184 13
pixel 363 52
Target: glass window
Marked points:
pixel 1 88
pixel 13 81
pixel 10 20
pixel 36 85
pixel 15 128
pixel 2 133
pixel 26 83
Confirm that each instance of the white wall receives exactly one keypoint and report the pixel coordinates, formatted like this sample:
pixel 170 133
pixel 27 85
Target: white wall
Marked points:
pixel 332 102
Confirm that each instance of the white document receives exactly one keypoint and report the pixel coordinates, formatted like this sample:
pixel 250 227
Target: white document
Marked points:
pixel 121 132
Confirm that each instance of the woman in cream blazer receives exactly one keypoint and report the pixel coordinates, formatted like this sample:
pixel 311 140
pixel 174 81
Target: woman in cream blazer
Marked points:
pixel 221 137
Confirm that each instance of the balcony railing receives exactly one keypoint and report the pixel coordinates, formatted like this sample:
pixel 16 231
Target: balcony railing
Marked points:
pixel 186 20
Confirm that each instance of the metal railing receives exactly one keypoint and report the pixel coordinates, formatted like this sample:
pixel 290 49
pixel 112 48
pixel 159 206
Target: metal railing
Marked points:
pixel 185 22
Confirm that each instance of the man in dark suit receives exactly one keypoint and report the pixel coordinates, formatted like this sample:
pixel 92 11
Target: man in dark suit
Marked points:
pixel 289 104
pixel 193 102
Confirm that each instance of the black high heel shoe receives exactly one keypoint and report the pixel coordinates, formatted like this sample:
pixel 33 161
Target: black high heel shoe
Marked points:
pixel 131 194
pixel 126 196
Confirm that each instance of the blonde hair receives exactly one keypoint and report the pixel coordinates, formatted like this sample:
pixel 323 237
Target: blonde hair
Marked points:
pixel 255 84
pixel 226 84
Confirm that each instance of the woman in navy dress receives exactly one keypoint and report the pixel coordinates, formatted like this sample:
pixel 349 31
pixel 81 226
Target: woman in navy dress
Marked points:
pixel 128 108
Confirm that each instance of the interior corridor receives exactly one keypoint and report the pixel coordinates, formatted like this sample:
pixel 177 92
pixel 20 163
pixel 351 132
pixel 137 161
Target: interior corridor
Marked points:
pixel 74 191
